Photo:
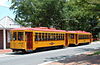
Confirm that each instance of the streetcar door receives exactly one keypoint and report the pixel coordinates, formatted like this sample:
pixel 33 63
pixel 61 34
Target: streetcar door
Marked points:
pixel 29 40
pixel 71 39
pixel 66 43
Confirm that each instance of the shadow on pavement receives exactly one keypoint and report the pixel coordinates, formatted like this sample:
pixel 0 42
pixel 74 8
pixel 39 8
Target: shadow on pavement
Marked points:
pixel 73 45
pixel 35 51
pixel 57 58
pixel 42 50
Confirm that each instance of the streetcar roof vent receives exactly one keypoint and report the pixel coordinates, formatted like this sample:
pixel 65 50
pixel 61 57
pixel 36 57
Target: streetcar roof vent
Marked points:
pixel 52 28
pixel 78 32
pixel 42 27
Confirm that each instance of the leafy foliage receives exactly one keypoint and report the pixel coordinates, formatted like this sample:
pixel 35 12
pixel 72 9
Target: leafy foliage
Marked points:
pixel 39 13
pixel 81 14
pixel 61 14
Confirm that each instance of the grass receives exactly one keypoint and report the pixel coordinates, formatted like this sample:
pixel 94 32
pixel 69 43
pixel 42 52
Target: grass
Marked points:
pixel 95 53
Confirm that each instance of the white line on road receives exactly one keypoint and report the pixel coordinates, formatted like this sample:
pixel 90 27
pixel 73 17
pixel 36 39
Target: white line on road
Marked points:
pixel 46 63
pixel 3 55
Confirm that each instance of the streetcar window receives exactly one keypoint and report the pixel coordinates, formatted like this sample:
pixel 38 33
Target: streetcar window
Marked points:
pixel 20 35
pixel 80 36
pixel 51 36
pixel 48 36
pixel 58 36
pixel 83 36
pixel 36 36
pixel 71 36
pixel 62 37
pixel 45 36
pixel 11 36
pixel 87 37
pixel 39 37
pixel 14 36
pixel 55 36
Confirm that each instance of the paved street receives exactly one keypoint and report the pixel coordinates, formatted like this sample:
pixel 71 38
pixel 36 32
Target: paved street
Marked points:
pixel 45 56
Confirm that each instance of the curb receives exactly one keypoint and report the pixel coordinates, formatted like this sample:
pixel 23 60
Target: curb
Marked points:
pixel 5 51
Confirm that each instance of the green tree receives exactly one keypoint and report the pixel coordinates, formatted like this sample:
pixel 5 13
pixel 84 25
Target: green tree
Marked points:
pixel 61 14
pixel 39 13
pixel 82 14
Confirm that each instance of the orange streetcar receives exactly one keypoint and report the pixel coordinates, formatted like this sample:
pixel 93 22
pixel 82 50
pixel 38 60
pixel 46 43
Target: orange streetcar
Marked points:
pixel 29 39
pixel 78 37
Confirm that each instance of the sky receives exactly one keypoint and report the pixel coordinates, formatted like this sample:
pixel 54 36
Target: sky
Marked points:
pixel 4 9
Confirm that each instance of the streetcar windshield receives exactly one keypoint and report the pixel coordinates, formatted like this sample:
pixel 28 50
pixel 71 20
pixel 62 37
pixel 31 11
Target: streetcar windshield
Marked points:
pixel 14 36
pixel 18 36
